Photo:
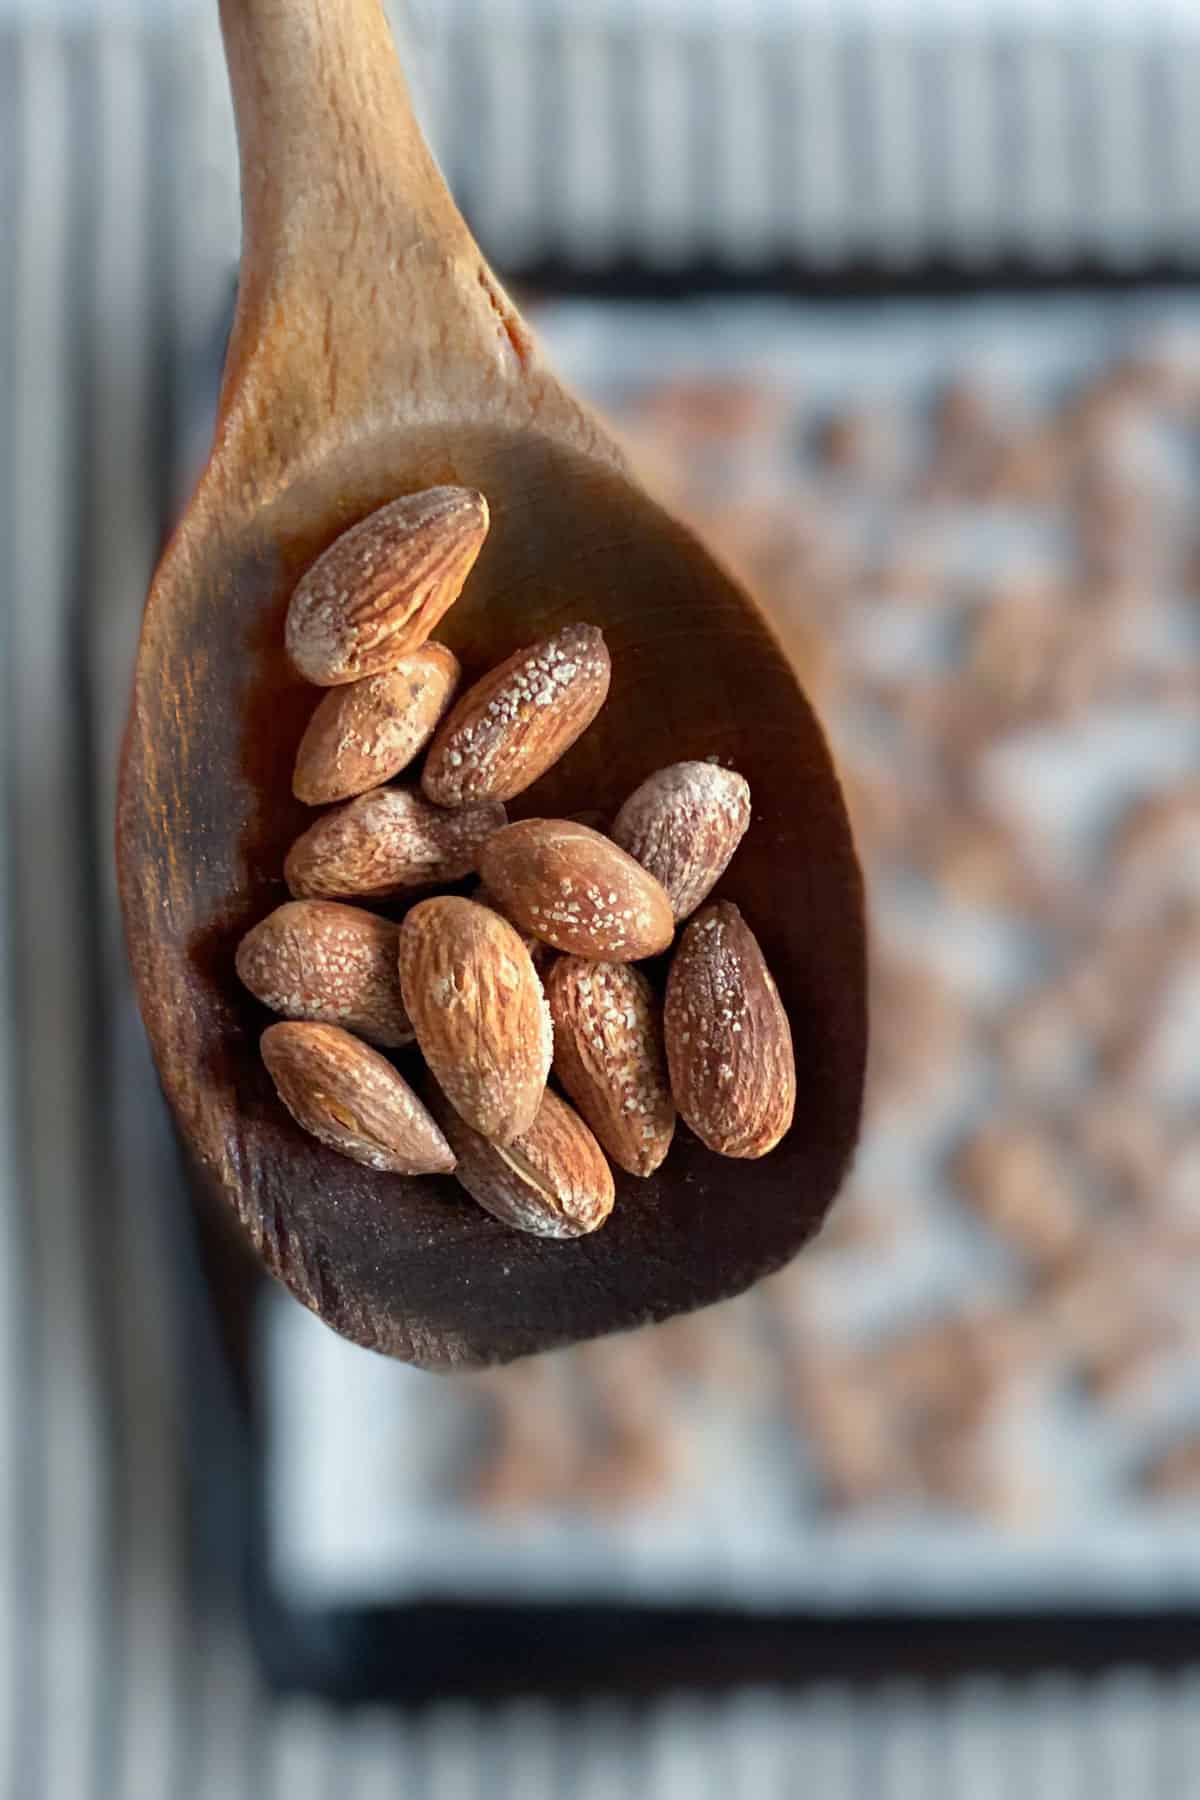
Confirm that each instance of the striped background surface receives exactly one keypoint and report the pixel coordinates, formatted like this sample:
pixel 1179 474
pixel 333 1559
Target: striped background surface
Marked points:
pixel 817 135
pixel 121 1674
pixel 797 132
pixel 814 133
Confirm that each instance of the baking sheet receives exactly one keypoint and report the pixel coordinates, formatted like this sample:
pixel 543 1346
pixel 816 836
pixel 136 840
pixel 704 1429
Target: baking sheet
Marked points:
pixel 369 1466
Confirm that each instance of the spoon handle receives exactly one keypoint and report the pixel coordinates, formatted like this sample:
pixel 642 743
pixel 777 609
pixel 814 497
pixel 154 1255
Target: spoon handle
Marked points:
pixel 327 135
pixel 363 300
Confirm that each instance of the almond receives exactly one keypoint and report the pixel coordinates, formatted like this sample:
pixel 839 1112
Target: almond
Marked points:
pixel 510 727
pixel 577 890
pixel 552 1181
pixel 351 1098
pixel 387 842
pixel 608 1055
pixel 379 590
pixel 684 824
pixel 314 959
pixel 361 735
pixel 478 1011
pixel 729 1045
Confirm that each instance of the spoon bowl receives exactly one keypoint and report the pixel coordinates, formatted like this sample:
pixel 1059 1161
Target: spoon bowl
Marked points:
pixel 373 355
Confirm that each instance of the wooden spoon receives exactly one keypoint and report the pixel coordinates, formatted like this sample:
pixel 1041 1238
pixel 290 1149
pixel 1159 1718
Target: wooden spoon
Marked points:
pixel 374 353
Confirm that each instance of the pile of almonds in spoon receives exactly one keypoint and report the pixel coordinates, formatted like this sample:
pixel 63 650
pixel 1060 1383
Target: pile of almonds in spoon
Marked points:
pixel 536 969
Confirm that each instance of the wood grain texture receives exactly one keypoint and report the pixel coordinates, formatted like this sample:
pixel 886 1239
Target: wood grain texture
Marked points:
pixel 374 354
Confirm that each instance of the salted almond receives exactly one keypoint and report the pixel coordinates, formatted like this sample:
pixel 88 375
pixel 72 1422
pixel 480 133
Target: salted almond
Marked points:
pixel 729 1044
pixel 577 890
pixel 380 589
pixel 478 1011
pixel 387 842
pixel 519 719
pixel 608 1055
pixel 347 1095
pixel 363 734
pixel 314 959
pixel 684 824
pixel 552 1181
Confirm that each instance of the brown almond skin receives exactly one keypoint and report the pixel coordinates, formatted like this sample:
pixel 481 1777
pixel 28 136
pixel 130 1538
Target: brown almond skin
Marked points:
pixel 363 734
pixel 519 719
pixel 541 953
pixel 315 959
pixel 380 588
pixel 576 890
pixel 387 842
pixel 683 824
pixel 608 1055
pixel 478 1011
pixel 552 1182
pixel 729 1044
pixel 350 1098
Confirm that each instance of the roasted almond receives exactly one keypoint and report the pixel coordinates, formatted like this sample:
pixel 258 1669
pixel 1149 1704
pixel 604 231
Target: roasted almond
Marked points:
pixel 729 1044
pixel 351 1098
pixel 380 589
pixel 519 719
pixel 552 1181
pixel 363 734
pixel 608 1055
pixel 314 959
pixel 577 890
pixel 478 1011
pixel 684 824
pixel 387 842
pixel 595 821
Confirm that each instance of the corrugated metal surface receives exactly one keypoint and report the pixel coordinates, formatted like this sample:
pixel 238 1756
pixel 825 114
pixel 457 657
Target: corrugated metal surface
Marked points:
pixel 117 1677
pixel 806 135
pixel 791 133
